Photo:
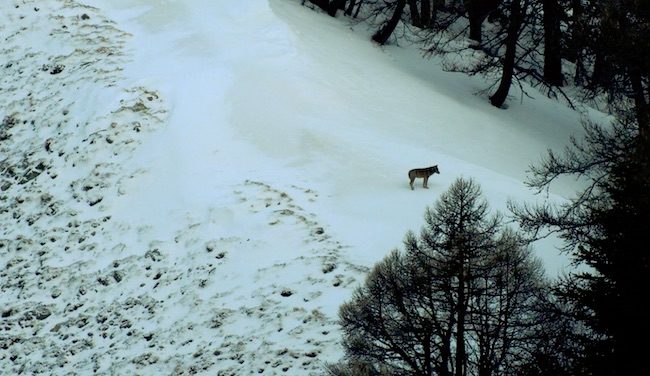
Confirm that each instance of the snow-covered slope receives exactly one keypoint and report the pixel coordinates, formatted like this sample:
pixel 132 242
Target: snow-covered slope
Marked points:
pixel 196 186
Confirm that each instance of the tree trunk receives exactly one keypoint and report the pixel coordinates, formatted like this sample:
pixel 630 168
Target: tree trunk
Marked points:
pixel 641 106
pixel 350 8
pixel 484 368
pixel 445 355
pixel 435 6
pixel 574 52
pixel 477 12
pixel 475 20
pixel 579 78
pixel 382 35
pixel 426 347
pixel 415 14
pixel 334 6
pixel 601 72
pixel 322 4
pixel 552 49
pixel 358 9
pixel 425 13
pixel 499 97
pixel 461 311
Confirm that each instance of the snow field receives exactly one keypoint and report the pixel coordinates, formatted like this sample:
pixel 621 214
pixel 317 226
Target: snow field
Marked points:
pixel 194 187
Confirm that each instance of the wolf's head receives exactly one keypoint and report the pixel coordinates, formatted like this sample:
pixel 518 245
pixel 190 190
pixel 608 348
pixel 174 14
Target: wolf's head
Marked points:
pixel 433 169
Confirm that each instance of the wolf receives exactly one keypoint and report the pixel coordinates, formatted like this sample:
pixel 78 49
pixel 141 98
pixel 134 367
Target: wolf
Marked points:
pixel 422 173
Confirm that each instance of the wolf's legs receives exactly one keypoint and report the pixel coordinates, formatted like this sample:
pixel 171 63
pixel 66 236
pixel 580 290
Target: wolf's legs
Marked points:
pixel 411 183
pixel 426 179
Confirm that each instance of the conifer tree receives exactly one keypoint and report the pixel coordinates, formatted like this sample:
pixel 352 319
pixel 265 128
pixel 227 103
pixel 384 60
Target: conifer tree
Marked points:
pixel 457 301
pixel 604 228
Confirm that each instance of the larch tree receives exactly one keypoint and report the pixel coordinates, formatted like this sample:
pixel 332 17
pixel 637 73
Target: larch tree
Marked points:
pixel 457 301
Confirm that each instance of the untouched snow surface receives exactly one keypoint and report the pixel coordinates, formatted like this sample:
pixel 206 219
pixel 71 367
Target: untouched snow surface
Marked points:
pixel 196 186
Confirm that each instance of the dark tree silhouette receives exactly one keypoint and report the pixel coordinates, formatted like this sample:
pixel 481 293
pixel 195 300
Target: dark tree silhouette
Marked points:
pixel 605 229
pixel 350 8
pixel 618 45
pixel 477 12
pixel 425 13
pixel 509 60
pixel 556 348
pixel 575 40
pixel 458 301
pixel 506 294
pixel 552 42
pixel 512 45
pixel 335 6
pixel 322 4
pixel 382 35
pixel 416 20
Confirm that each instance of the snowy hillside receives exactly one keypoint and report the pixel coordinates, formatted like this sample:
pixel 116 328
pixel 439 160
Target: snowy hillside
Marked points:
pixel 196 186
